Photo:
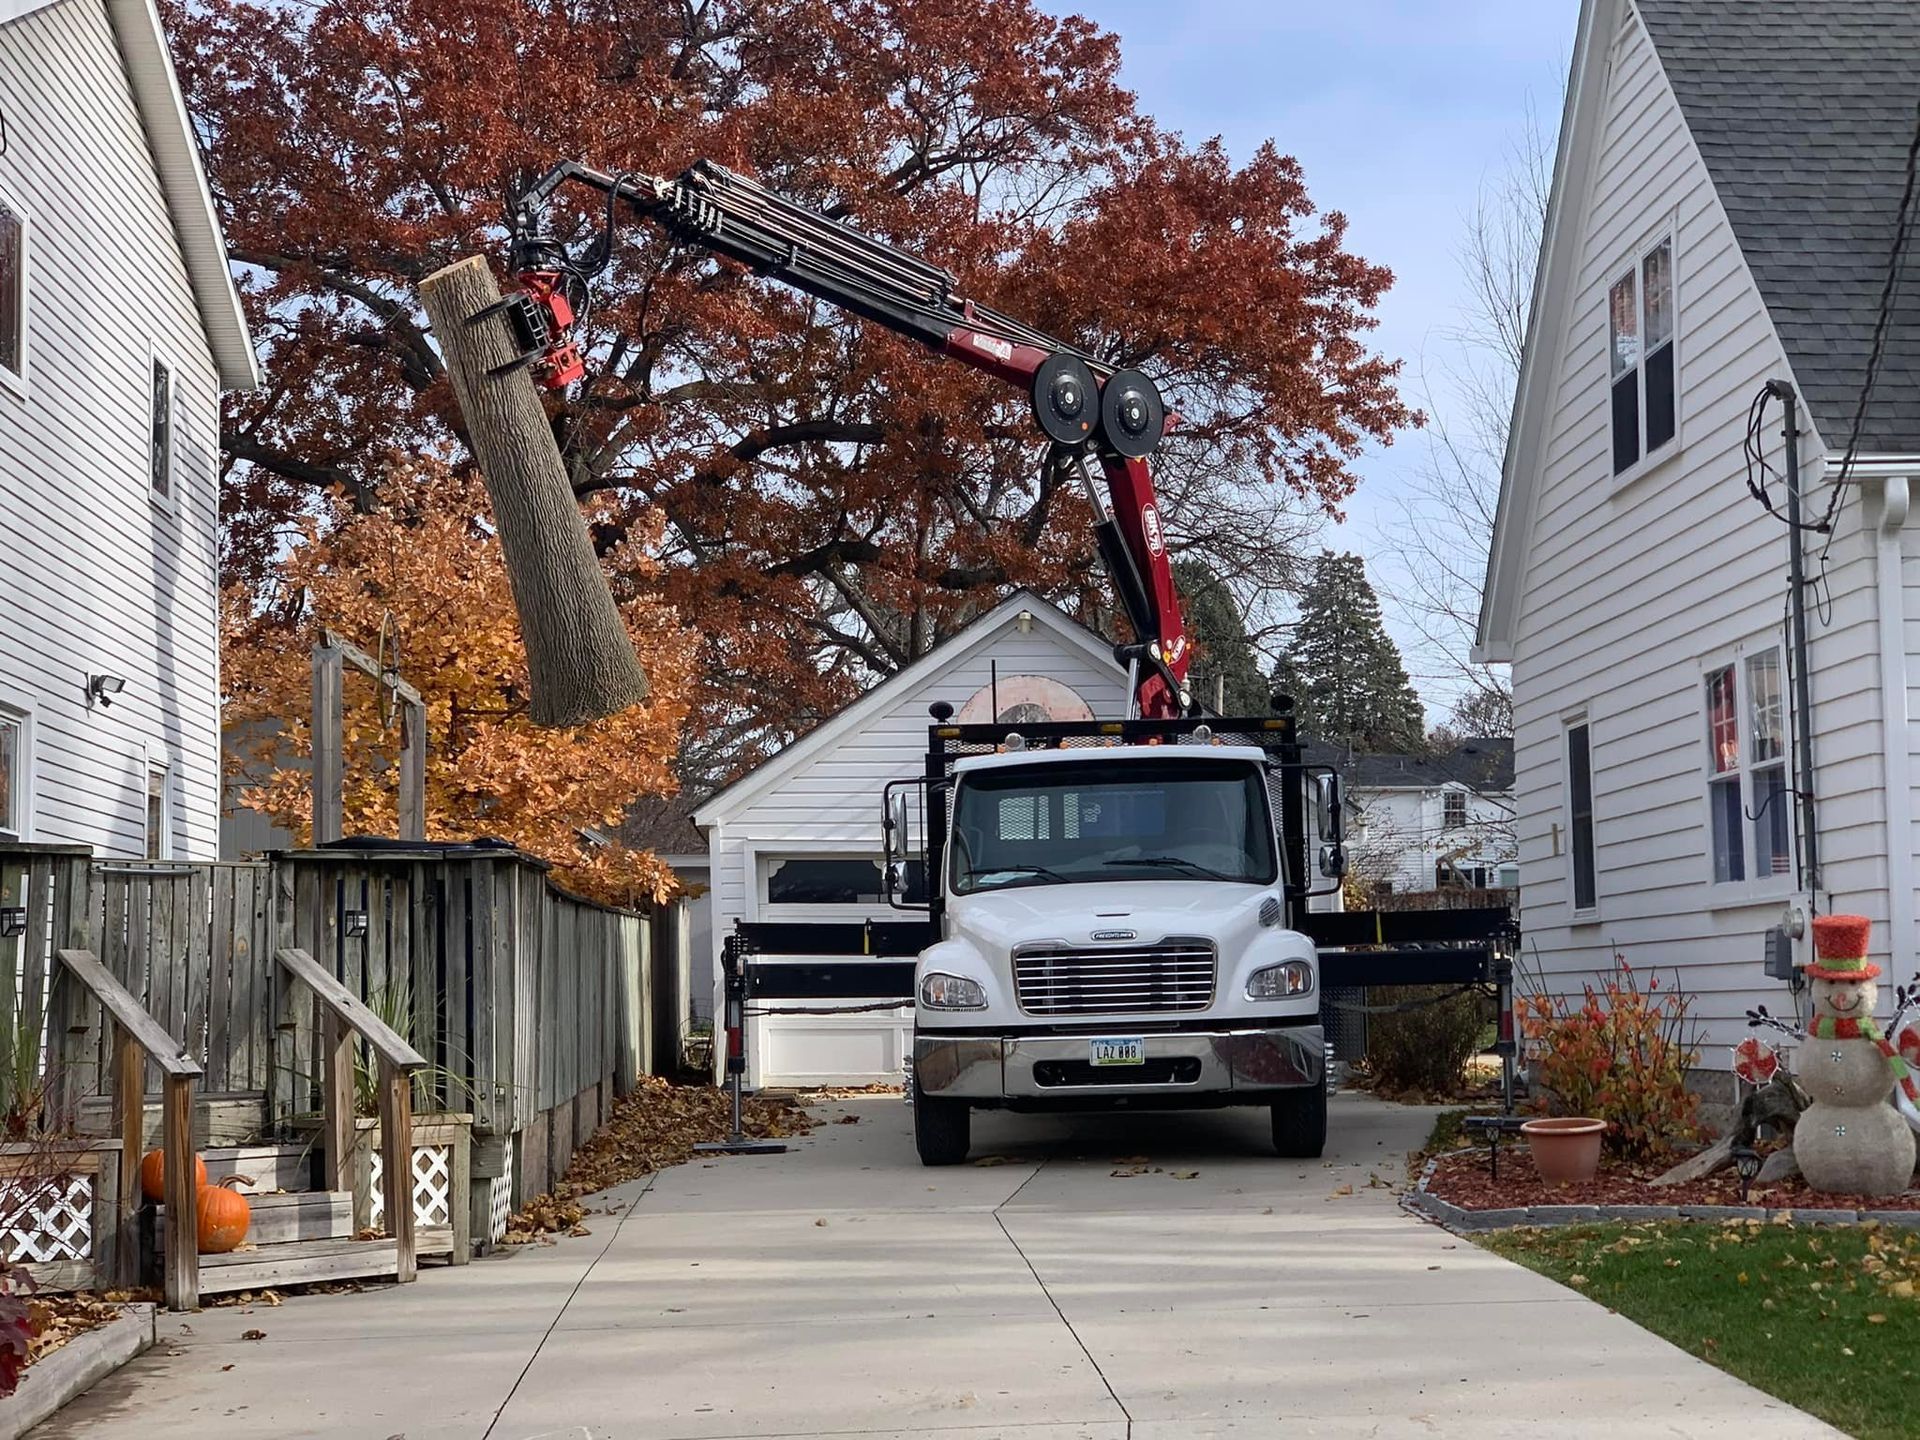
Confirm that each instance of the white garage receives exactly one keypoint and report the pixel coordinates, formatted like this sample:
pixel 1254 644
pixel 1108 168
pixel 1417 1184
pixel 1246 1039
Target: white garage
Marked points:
pixel 799 837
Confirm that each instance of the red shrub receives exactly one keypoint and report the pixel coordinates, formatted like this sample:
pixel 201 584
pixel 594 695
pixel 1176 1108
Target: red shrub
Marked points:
pixel 1619 1053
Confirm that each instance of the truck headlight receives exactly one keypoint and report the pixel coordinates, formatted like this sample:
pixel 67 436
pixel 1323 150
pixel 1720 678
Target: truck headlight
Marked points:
pixel 1281 982
pixel 941 991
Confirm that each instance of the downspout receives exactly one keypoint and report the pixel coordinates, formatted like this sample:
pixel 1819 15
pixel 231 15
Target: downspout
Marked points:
pixel 1797 641
pixel 1895 498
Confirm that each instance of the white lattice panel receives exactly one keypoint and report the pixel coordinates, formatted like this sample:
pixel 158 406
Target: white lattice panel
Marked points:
pixel 432 1186
pixel 500 1198
pixel 47 1222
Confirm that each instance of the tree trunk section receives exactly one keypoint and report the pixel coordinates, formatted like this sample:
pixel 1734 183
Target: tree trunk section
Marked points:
pixel 580 657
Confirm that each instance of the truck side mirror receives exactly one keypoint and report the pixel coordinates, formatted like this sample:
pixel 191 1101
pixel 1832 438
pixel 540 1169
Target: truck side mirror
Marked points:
pixel 1333 861
pixel 897 846
pixel 1327 792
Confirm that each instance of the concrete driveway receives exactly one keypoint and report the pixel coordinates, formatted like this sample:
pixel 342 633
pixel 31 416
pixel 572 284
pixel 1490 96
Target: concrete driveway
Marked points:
pixel 841 1291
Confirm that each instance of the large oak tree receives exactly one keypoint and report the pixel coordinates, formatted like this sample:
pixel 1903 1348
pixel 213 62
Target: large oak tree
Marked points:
pixel 829 500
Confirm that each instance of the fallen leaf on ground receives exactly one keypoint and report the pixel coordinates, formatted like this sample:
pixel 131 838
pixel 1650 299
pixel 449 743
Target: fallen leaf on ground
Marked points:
pixel 1186 1174
pixel 253 1334
pixel 1343 1189
pixel 655 1126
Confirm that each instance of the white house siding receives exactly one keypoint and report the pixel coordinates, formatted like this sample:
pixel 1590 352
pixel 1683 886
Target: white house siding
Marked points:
pixel 94 575
pixel 831 806
pixel 1629 588
pixel 1399 835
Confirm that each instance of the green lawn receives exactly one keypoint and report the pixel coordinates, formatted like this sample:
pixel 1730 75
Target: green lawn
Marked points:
pixel 1824 1317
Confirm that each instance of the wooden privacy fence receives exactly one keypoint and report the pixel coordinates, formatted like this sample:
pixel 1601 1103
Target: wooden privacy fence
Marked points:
pixel 530 1007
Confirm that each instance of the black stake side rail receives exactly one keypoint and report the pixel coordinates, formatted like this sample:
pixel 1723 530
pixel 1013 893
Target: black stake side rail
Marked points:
pixel 845 960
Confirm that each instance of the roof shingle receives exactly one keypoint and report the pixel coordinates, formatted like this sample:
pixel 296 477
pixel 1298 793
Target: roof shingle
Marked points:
pixel 1803 111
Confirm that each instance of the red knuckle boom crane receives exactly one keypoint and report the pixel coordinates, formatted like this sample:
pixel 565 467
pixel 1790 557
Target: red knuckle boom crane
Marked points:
pixel 1083 406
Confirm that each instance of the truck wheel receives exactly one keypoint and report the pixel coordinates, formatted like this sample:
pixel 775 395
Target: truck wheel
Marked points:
pixel 942 1128
pixel 1300 1123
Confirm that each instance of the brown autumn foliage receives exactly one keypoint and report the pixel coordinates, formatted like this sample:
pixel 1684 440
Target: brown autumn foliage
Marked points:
pixel 422 566
pixel 826 501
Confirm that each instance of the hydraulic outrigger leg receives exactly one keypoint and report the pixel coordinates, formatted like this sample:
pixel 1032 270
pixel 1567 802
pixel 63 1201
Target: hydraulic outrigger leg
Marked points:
pixel 738 1142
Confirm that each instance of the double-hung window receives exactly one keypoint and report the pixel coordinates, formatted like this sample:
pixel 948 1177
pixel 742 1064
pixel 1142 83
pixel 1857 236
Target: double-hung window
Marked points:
pixel 1453 809
pixel 1640 358
pixel 1749 805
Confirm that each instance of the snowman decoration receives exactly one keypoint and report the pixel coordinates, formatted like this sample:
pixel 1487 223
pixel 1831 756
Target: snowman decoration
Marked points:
pixel 1850 1141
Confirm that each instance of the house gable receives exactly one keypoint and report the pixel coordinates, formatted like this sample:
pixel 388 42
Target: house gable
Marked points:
pixel 1054 638
pixel 174 152
pixel 1803 111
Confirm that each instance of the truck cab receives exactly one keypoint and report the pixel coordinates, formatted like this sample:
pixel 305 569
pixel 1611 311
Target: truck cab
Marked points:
pixel 1114 918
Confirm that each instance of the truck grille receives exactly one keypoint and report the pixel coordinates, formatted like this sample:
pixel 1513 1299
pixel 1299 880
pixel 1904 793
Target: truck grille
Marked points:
pixel 1174 975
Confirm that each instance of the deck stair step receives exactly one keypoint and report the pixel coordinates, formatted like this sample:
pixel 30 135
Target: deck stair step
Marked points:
pixel 270 1167
pixel 296 1262
pixel 302 1215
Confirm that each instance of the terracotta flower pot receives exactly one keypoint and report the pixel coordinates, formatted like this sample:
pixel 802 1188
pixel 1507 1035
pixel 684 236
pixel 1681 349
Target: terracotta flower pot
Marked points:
pixel 1565 1150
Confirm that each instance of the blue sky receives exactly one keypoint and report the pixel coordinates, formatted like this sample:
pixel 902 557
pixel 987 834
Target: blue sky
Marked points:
pixel 1398 110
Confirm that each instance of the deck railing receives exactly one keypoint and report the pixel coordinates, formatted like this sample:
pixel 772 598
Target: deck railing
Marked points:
pixel 134 1039
pixel 345 1017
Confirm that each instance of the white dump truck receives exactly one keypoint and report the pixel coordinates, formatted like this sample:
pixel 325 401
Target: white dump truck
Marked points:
pixel 1113 909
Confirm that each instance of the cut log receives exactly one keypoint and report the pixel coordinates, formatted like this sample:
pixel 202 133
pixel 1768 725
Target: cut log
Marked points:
pixel 580 658
pixel 1716 1156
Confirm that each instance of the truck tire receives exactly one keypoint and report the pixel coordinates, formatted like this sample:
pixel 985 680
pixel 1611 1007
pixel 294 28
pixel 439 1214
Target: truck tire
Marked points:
pixel 1300 1123
pixel 942 1128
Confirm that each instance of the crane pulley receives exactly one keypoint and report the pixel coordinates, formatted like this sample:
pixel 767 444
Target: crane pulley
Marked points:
pixel 1083 406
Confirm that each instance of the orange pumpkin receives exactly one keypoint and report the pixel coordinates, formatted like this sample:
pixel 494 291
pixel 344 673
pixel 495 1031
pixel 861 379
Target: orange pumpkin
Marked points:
pixel 153 1174
pixel 224 1216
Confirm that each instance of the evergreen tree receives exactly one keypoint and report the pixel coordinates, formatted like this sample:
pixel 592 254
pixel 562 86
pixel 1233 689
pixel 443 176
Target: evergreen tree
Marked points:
pixel 1349 685
pixel 1219 634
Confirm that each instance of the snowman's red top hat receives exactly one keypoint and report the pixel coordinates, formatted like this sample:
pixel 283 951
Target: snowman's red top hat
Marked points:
pixel 1840 948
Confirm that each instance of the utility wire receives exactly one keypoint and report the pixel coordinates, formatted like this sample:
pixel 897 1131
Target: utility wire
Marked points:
pixel 1883 322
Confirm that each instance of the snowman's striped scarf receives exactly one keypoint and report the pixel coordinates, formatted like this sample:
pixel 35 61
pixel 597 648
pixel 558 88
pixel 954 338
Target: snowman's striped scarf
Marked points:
pixel 1836 1027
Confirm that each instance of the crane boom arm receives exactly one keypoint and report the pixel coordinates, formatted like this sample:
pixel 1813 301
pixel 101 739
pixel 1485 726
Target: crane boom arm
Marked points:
pixel 1081 403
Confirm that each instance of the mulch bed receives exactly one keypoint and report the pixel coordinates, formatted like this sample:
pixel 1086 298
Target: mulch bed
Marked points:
pixel 1462 1178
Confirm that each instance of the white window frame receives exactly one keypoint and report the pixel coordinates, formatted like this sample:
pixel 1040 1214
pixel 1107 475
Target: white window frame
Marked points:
pixel 1635 265
pixel 1447 799
pixel 1750 888
pixel 17 384
pixel 1569 722
pixel 159 359
pixel 156 760
pixel 761 860
pixel 21 715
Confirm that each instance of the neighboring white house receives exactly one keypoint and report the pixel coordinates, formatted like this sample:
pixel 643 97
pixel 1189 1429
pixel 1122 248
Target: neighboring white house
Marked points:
pixel 799 837
pixel 1723 207
pixel 119 328
pixel 1433 822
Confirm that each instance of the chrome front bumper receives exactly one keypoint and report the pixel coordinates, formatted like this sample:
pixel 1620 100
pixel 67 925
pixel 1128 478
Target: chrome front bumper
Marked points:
pixel 1001 1067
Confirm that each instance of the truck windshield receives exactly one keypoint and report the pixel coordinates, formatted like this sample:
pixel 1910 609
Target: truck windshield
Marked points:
pixel 1052 824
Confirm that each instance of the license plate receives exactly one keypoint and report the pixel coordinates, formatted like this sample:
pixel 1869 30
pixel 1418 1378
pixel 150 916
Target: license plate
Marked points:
pixel 1131 1051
